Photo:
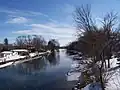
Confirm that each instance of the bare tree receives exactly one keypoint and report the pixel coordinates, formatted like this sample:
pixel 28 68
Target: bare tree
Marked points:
pixel 19 41
pixel 83 19
pixel 109 22
pixel 97 43
pixel 31 40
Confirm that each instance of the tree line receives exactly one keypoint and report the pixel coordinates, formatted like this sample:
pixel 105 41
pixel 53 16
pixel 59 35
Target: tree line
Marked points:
pixel 30 42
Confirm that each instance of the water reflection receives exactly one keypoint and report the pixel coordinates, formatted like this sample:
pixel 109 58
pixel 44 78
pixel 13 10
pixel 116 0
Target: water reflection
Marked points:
pixel 47 71
pixel 32 66
pixel 53 58
pixel 39 64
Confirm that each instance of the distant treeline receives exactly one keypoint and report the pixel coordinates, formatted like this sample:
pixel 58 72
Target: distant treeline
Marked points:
pixel 30 42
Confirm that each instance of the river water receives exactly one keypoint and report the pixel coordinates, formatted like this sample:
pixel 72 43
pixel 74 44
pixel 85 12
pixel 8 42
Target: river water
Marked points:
pixel 47 73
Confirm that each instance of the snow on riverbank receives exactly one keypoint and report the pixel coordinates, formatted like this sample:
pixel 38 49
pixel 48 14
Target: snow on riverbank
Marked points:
pixel 74 74
pixel 113 62
pixel 6 65
pixel 17 59
pixel 113 83
pixel 92 86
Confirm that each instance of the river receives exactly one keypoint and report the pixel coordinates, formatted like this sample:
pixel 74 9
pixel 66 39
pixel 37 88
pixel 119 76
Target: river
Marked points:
pixel 47 73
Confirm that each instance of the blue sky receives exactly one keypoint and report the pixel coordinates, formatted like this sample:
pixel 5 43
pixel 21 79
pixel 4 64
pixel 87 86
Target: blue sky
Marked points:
pixel 49 18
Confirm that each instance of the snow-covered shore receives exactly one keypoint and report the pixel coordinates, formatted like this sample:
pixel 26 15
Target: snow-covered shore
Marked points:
pixel 113 82
pixel 17 60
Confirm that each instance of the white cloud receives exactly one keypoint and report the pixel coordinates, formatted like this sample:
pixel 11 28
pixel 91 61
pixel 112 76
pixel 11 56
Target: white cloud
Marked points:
pixel 18 20
pixel 21 12
pixel 36 13
pixel 55 29
pixel 8 11
pixel 61 29
pixel 49 31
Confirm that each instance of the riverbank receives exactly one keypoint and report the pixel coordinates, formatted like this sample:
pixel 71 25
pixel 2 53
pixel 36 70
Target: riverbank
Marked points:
pixel 33 56
pixel 82 78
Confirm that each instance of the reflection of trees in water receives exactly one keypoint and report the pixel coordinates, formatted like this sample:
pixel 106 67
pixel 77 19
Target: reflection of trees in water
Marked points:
pixel 54 58
pixel 33 66
pixel 39 64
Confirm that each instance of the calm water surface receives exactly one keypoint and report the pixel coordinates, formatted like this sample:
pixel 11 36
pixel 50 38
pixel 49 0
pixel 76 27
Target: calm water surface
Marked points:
pixel 47 73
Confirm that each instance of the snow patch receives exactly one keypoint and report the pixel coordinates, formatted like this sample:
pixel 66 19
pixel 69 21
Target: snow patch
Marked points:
pixel 73 76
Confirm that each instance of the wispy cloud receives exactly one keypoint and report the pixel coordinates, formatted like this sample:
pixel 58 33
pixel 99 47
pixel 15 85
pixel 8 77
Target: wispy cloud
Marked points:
pixel 61 29
pixel 18 20
pixel 22 13
pixel 50 31
pixel 36 13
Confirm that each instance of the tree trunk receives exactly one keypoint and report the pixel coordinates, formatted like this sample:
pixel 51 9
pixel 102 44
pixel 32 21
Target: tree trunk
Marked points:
pixel 108 63
pixel 101 79
pixel 105 64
